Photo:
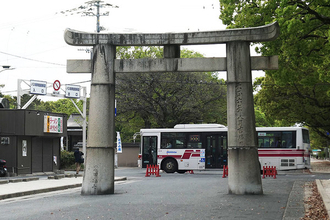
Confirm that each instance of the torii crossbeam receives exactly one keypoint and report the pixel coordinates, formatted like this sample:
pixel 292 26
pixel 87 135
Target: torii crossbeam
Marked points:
pixel 244 171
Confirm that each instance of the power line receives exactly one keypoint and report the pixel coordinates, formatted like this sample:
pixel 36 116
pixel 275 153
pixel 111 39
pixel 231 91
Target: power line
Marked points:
pixel 25 58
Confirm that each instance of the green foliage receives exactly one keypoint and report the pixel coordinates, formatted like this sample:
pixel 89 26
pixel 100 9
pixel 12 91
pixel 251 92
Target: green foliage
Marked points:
pixel 321 155
pixel 298 92
pixel 261 119
pixel 317 142
pixel 62 106
pixel 67 159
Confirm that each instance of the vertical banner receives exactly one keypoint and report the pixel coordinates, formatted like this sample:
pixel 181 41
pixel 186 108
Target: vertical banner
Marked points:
pixel 115 107
pixel 119 147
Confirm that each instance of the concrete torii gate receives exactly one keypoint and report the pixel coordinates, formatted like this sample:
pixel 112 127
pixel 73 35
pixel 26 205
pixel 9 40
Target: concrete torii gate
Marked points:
pixel 244 171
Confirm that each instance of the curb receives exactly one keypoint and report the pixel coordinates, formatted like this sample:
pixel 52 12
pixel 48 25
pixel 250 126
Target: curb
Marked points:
pixel 325 198
pixel 32 192
pixel 50 189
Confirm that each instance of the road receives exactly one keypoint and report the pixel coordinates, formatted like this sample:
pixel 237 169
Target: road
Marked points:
pixel 203 195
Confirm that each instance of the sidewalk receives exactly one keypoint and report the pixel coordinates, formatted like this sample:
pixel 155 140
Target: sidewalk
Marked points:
pixel 24 186
pixel 323 186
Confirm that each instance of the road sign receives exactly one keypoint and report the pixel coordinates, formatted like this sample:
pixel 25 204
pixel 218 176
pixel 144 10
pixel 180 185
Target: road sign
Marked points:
pixel 38 87
pixel 56 85
pixel 72 91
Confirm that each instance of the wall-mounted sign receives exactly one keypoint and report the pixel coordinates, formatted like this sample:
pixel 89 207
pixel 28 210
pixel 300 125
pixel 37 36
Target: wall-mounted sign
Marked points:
pixel 72 91
pixel 53 124
pixel 38 87
pixel 5 140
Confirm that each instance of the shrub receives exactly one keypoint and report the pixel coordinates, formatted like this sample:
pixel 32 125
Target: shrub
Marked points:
pixel 67 159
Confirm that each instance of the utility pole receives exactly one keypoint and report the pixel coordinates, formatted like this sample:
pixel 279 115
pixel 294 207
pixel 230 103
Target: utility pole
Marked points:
pixel 88 10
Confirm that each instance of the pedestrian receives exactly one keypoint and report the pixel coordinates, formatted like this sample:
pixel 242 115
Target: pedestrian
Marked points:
pixel 78 159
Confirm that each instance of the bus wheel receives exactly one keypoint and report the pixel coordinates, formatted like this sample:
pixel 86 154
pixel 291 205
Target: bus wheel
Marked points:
pixel 170 166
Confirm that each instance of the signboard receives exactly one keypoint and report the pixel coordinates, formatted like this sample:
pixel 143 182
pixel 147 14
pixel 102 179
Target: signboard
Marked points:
pixel 53 124
pixel 119 147
pixel 72 91
pixel 38 87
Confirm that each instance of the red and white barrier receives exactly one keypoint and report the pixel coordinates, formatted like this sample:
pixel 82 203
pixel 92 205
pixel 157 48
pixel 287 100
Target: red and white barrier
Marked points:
pixel 225 171
pixel 152 170
pixel 269 171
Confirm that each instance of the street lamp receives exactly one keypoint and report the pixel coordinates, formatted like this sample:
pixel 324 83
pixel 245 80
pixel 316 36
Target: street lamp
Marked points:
pixel 6 67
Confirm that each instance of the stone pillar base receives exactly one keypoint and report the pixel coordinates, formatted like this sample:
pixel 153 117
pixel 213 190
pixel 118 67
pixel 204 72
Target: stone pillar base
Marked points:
pixel 99 171
pixel 244 171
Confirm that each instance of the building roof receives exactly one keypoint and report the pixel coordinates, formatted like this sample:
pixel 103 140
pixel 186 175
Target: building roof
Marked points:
pixel 75 121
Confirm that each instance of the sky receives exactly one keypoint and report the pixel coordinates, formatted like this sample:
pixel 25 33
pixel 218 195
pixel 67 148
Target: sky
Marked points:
pixel 32 42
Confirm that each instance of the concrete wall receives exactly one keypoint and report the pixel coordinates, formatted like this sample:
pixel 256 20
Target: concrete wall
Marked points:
pixel 129 157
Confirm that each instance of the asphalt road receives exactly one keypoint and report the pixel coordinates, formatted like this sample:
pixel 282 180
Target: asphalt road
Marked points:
pixel 203 195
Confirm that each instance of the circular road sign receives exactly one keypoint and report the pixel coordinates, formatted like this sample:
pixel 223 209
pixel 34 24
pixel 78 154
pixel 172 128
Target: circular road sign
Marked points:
pixel 56 85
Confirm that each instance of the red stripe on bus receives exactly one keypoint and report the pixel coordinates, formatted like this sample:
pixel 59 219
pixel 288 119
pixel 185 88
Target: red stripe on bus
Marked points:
pixel 281 155
pixel 164 156
pixel 279 150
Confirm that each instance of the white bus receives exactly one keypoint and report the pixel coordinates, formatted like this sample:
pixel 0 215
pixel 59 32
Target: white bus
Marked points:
pixel 202 146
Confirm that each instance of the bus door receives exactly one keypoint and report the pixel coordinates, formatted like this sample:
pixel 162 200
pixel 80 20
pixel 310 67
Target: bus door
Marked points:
pixel 149 151
pixel 216 151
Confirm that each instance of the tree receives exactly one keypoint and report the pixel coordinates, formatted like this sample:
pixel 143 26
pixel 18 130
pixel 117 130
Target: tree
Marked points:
pixel 166 99
pixel 298 91
pixel 61 106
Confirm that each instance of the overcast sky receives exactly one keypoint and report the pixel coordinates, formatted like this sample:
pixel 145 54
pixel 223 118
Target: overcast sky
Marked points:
pixel 32 42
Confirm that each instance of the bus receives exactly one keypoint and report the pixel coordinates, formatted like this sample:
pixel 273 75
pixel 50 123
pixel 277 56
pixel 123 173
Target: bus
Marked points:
pixel 204 146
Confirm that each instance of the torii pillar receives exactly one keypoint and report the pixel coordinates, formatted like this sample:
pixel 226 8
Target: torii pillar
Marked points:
pixel 244 171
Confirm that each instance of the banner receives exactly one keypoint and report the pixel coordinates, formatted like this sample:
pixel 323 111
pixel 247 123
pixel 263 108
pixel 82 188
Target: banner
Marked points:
pixel 119 147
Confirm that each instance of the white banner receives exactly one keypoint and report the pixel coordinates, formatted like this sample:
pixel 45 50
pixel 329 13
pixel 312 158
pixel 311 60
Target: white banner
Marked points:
pixel 119 147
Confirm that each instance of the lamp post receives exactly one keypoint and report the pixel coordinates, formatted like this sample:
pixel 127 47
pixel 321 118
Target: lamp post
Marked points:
pixel 6 67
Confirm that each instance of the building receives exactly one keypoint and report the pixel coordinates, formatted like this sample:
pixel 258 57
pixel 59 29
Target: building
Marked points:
pixel 74 131
pixel 30 140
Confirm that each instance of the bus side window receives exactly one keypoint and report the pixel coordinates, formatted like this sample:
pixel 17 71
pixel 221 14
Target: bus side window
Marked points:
pixel 266 144
pixel 261 143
